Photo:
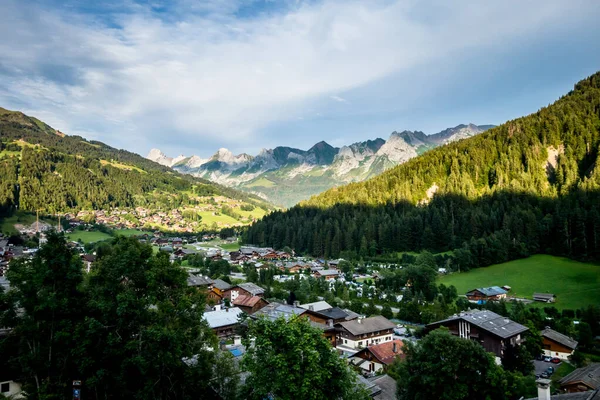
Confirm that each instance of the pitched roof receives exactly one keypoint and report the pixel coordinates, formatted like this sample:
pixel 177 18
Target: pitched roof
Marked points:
pixel 333 313
pixel 328 272
pixel 544 295
pixel 195 280
pixel 589 395
pixel 384 352
pixel 489 321
pixel 559 338
pixel 276 310
pixel 221 318
pixel 251 288
pixel 316 306
pixel 387 385
pixel 490 291
pixel 367 325
pixel 221 284
pixel 247 301
pixel 590 376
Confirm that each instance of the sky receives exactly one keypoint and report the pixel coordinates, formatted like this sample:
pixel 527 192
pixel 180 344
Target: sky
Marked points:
pixel 192 76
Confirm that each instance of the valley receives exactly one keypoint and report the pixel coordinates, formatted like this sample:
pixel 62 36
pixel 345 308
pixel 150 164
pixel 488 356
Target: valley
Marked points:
pixel 286 176
pixel 51 173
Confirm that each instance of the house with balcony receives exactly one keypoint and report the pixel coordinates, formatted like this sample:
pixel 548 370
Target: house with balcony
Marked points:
pixel 494 332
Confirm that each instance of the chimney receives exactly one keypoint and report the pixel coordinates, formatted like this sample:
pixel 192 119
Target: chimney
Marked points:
pixel 296 303
pixel 311 308
pixel 330 323
pixel 359 320
pixel 543 389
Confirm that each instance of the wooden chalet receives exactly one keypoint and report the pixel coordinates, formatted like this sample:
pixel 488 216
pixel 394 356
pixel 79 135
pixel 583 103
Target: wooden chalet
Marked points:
pixel 582 379
pixel 376 358
pixel 328 274
pixel 244 289
pixel 250 304
pixel 494 332
pixel 363 332
pixel 486 294
pixel 217 292
pixel 555 344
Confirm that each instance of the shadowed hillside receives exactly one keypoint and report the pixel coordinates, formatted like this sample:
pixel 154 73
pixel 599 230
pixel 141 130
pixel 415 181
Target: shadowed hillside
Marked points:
pixel 529 185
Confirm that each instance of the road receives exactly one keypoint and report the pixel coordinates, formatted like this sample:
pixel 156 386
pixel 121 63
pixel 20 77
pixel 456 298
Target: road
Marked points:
pixel 380 307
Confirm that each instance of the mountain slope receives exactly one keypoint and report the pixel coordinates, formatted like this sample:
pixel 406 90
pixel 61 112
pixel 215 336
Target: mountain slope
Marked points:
pixel 286 175
pixel 530 185
pixel 44 169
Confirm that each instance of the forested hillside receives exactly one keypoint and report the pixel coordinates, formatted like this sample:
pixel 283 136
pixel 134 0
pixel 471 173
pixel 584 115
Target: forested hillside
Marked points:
pixel 530 185
pixel 43 169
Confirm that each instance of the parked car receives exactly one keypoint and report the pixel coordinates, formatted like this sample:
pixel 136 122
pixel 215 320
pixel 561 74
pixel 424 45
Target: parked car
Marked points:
pixel 539 357
pixel 547 358
pixel 555 360
pixel 550 370
pixel 544 375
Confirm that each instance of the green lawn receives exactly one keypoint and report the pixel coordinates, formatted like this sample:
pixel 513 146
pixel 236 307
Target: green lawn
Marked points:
pixel 575 284
pixel 130 232
pixel 87 237
pixel 230 246
pixel 209 218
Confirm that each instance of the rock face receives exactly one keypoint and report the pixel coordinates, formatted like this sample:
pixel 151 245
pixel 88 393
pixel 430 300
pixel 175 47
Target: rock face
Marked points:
pixel 285 175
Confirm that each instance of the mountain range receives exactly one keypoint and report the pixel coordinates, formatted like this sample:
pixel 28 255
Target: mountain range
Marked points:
pixel 45 170
pixel 530 185
pixel 286 175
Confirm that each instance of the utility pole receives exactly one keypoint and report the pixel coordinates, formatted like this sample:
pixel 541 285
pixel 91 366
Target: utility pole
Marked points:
pixel 37 220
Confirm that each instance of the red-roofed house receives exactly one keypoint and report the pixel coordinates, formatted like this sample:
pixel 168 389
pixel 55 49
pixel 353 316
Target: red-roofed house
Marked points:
pixel 249 304
pixel 375 358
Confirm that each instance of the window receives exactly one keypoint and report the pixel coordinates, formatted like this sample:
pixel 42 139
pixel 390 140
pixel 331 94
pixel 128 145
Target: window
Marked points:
pixel 4 387
pixel 345 341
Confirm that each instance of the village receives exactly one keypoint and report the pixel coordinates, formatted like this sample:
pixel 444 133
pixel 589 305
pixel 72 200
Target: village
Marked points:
pixel 370 344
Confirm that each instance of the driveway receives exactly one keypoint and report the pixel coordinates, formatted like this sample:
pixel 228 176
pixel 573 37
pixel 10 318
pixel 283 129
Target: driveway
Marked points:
pixel 542 366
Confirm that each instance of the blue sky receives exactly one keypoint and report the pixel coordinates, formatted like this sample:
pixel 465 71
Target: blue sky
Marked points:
pixel 189 76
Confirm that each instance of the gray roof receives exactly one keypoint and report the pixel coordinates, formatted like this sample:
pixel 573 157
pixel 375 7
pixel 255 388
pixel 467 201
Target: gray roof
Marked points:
pixel 251 288
pixel 333 313
pixel 490 291
pixel 221 284
pixel 276 310
pixel 195 280
pixel 559 338
pixel 387 385
pixel 217 319
pixel 544 295
pixel 372 388
pixel 351 314
pixel 590 395
pixel 316 306
pixel 489 321
pixel 367 325
pixel 328 272
pixel 589 375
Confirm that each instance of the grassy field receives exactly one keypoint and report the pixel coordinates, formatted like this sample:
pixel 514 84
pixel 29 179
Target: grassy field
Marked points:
pixel 230 246
pixel 87 237
pixel 575 284
pixel 130 232
pixel 209 218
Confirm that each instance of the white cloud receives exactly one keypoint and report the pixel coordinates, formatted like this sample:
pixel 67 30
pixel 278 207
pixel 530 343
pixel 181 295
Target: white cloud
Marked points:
pixel 210 76
pixel 338 99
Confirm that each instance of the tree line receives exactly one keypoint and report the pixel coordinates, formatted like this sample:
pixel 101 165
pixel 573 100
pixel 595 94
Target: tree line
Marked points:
pixel 530 185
